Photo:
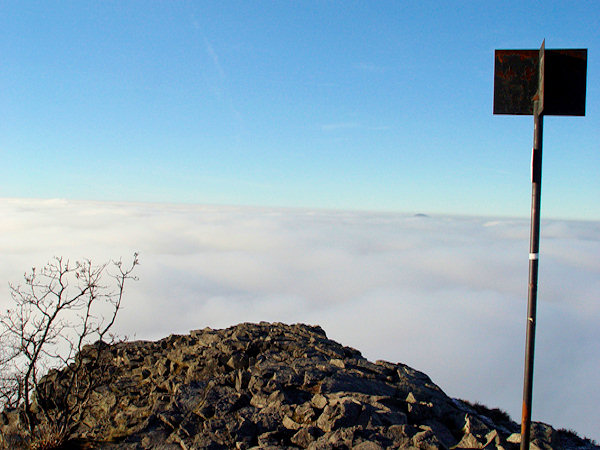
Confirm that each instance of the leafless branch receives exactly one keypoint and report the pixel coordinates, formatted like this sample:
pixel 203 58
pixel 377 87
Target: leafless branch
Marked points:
pixel 58 312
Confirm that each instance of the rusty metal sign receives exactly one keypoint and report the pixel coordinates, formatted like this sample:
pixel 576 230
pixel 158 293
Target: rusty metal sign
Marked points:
pixel 515 81
pixel 557 75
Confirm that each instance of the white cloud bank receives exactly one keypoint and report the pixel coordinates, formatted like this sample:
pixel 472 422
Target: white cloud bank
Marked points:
pixel 446 295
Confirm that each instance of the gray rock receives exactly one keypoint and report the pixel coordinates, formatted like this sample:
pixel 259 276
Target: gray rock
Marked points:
pixel 271 386
pixel 305 436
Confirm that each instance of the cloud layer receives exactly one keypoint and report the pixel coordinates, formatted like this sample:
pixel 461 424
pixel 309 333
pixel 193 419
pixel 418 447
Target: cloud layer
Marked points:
pixel 446 295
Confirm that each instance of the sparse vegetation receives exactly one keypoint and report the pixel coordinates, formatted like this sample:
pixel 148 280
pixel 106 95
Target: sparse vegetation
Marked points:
pixel 58 312
pixel 565 436
pixel 495 414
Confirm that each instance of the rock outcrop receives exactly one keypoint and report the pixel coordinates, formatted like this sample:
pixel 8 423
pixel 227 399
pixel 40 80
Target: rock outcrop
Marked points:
pixel 278 386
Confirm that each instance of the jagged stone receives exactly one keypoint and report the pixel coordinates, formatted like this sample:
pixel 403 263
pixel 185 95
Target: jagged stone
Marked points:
pixel 368 445
pixel 304 413
pixel 427 440
pixel 343 413
pixel 442 432
pixel 319 401
pixel 305 436
pixel 514 438
pixel 469 441
pixel 269 386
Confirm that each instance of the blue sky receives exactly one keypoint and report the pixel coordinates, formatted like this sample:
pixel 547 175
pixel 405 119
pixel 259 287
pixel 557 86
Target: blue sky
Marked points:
pixel 327 104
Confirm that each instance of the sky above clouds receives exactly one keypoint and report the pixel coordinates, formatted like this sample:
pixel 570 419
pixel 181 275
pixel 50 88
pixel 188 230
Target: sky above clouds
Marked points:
pixel 444 294
pixel 348 105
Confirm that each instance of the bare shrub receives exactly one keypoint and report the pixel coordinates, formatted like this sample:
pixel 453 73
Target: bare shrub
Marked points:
pixel 48 369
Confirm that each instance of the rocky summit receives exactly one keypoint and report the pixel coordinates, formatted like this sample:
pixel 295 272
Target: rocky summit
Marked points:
pixel 277 386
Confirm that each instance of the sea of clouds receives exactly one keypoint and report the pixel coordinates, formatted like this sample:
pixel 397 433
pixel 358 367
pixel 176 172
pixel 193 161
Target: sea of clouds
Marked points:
pixel 445 295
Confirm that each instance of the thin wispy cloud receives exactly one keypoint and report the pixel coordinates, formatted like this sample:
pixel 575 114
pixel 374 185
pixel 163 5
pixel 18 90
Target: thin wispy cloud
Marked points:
pixel 380 128
pixel 335 126
pixel 370 67
pixel 446 295
pixel 220 89
pixel 214 58
pixel 340 126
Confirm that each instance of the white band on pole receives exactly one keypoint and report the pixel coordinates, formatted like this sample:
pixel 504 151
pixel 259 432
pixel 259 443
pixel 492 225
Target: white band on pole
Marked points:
pixel 533 256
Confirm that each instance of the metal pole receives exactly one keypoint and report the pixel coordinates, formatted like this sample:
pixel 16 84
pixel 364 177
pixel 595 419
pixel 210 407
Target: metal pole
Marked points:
pixel 534 245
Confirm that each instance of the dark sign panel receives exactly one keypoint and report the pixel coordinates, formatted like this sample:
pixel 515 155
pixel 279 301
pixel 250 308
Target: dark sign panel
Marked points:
pixel 561 84
pixel 515 81
pixel 565 82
